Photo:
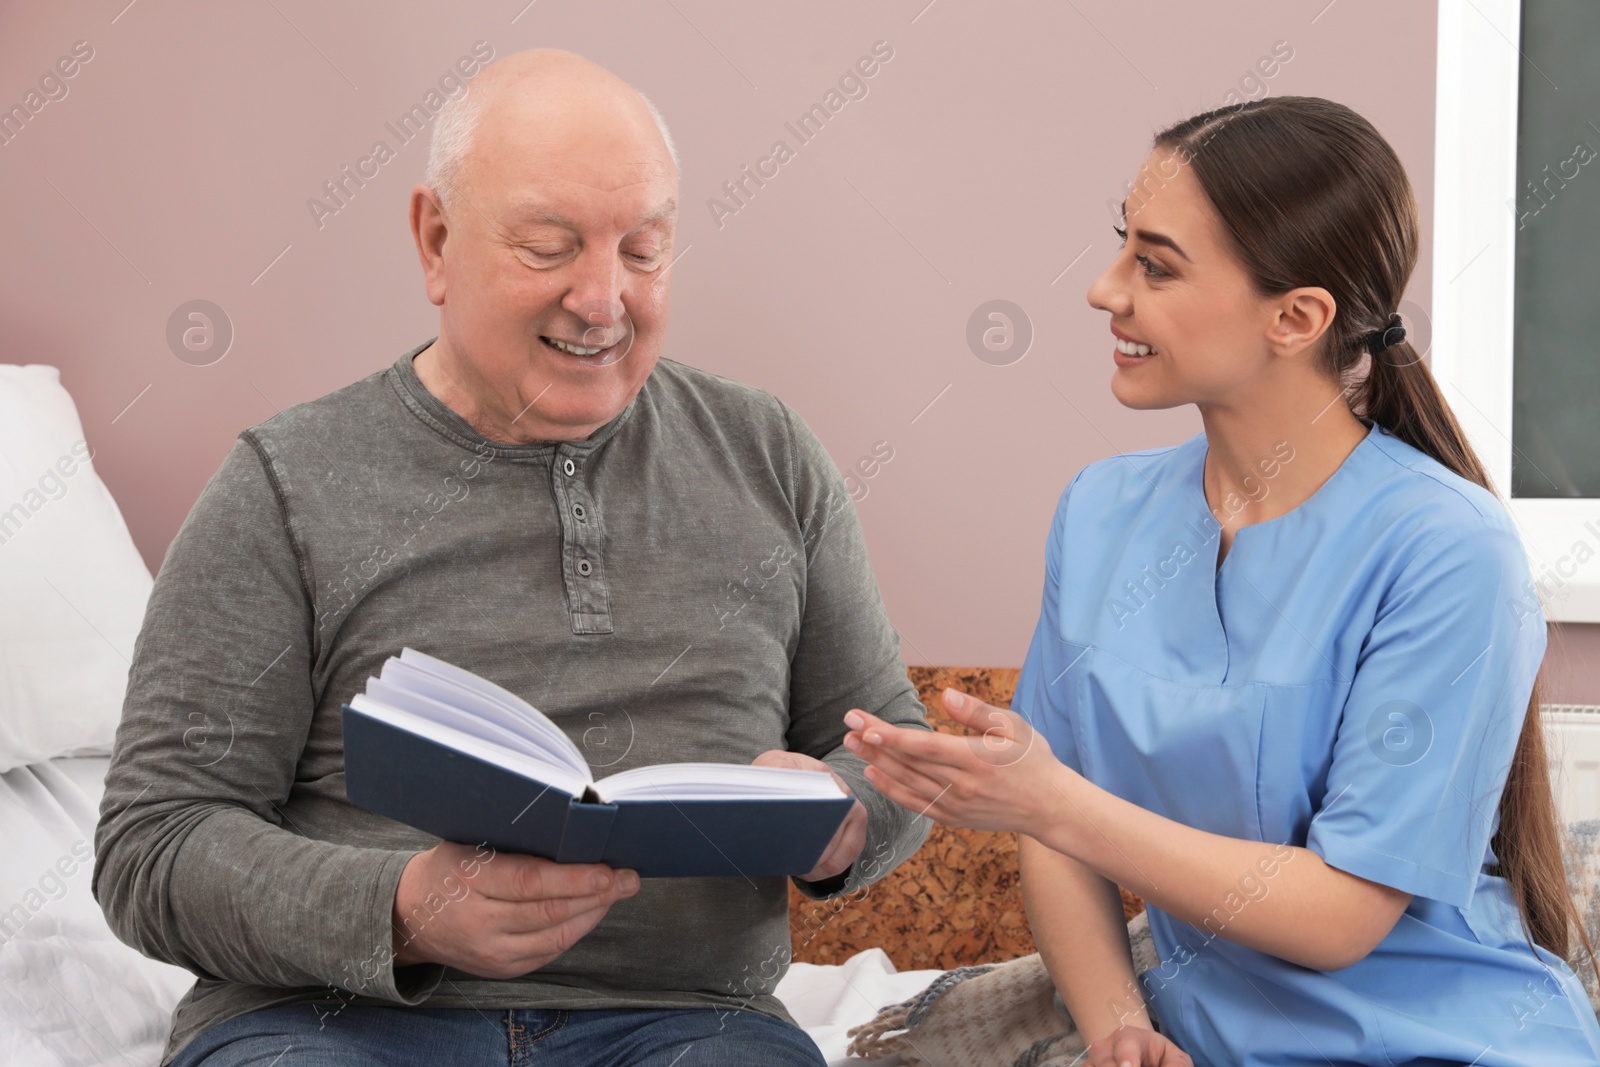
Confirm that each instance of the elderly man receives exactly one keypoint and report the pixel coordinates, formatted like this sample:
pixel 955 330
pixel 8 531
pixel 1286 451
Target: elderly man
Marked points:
pixel 664 561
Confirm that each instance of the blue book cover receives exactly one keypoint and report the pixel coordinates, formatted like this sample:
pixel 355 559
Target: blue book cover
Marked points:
pixel 444 750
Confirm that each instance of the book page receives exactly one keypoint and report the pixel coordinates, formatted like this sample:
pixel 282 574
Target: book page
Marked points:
pixel 481 727
pixel 716 781
pixel 454 685
pixel 535 769
pixel 411 678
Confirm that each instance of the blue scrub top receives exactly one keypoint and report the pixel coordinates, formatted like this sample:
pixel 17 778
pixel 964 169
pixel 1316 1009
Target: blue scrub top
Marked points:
pixel 1352 680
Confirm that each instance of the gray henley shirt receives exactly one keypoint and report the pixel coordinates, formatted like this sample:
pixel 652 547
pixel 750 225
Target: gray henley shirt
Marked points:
pixel 688 583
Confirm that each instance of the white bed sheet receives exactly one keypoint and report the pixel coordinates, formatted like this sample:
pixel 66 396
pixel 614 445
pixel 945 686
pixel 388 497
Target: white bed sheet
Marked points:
pixel 71 994
pixel 828 1001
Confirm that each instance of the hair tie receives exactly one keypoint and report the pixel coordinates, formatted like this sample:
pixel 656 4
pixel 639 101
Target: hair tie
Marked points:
pixel 1387 337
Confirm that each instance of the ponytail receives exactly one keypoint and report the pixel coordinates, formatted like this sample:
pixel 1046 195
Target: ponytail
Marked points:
pixel 1400 394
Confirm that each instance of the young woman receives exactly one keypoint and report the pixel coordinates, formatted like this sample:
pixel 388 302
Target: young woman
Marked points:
pixel 1283 675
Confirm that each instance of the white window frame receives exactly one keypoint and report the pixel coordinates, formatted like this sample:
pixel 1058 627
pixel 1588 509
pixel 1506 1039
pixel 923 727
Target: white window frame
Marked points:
pixel 1474 260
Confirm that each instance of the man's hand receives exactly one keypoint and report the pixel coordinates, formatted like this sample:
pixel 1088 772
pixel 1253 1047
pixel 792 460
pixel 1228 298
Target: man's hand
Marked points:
pixel 848 840
pixel 498 915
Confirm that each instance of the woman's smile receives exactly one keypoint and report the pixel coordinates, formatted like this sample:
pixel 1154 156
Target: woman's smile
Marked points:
pixel 1130 353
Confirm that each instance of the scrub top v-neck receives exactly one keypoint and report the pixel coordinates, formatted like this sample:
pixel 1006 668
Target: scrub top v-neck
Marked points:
pixel 1352 680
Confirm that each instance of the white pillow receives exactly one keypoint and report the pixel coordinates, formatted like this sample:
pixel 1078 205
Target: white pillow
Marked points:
pixel 73 585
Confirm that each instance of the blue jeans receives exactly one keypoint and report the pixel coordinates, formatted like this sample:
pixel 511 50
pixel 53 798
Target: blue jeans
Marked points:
pixel 294 1035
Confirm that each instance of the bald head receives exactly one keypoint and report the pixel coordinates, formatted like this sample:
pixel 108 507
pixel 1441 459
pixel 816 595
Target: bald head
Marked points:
pixel 545 229
pixel 548 97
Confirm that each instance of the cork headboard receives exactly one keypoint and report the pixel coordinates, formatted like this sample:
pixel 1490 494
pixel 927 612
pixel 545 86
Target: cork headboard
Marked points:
pixel 957 901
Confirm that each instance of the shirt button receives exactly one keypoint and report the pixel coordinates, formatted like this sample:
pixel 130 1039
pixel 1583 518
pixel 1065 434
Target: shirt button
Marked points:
pixel 569 467
pixel 579 512
pixel 584 568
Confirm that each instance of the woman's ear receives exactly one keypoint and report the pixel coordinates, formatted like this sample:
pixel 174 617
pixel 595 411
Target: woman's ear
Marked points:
pixel 1303 316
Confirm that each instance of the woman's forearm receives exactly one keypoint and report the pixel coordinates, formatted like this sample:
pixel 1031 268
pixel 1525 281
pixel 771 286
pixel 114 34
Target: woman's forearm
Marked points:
pixel 1274 898
pixel 1077 922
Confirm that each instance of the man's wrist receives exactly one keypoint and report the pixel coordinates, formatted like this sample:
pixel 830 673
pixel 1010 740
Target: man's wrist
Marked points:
pixel 826 886
pixel 405 952
pixel 405 949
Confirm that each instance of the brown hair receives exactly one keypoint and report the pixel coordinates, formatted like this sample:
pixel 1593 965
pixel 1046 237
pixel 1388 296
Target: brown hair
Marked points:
pixel 1310 194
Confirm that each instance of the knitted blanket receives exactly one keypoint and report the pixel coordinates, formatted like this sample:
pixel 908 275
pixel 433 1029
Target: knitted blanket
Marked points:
pixel 1000 1014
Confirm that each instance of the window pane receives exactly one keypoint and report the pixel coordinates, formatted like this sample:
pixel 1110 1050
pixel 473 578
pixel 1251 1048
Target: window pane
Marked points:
pixel 1556 372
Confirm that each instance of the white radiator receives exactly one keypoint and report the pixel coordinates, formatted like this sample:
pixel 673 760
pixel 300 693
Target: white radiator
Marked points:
pixel 1572 741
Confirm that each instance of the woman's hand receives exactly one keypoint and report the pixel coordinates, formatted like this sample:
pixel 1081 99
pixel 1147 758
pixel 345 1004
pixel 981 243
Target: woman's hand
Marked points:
pixel 1007 779
pixel 1134 1046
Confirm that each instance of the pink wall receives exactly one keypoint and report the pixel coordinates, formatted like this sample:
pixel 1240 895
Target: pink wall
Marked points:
pixel 978 165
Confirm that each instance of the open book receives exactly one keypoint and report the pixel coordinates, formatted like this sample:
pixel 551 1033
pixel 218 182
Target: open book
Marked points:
pixel 451 753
